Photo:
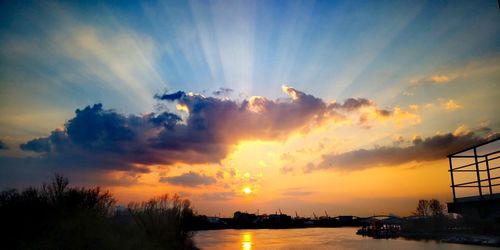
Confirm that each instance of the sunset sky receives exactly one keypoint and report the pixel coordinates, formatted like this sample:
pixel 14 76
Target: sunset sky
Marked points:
pixel 348 107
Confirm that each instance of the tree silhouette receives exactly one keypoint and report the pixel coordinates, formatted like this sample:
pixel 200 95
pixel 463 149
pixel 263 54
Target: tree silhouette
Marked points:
pixel 423 209
pixel 57 216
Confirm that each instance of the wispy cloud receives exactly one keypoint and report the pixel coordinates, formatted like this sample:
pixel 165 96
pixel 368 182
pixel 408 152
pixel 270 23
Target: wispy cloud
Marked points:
pixel 222 92
pixel 299 192
pixel 434 79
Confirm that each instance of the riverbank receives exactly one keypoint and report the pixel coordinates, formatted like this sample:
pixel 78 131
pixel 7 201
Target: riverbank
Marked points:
pixel 467 239
pixel 449 237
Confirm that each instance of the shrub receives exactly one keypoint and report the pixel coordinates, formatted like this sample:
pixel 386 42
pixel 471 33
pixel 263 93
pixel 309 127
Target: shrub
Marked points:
pixel 164 221
pixel 56 216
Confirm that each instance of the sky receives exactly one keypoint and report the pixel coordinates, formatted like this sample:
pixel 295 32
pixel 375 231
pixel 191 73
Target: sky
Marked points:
pixel 348 107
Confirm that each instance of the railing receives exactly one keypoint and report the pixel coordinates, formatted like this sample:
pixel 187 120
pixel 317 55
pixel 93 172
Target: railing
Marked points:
pixel 489 167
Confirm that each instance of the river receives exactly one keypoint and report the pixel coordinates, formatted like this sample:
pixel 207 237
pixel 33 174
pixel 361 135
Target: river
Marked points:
pixel 309 238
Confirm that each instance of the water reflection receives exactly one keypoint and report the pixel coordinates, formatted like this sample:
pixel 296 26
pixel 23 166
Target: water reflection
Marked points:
pixel 310 238
pixel 246 241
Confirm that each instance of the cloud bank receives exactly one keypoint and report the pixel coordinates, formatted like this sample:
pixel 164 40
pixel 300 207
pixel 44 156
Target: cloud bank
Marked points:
pixel 428 149
pixel 105 139
pixel 101 139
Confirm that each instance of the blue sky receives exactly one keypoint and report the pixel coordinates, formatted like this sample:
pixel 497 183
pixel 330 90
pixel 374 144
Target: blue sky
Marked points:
pixel 433 64
pixel 331 49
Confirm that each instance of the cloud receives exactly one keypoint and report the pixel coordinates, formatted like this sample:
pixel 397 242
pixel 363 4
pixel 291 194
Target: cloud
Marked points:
pixel 222 92
pixel 171 97
pixel 402 117
pixel 368 113
pixel 308 168
pixel 451 105
pixel 220 196
pixel 101 139
pixel 428 149
pixel 433 80
pixel 430 80
pixel 190 179
pixel 296 192
pixel 351 104
pixel 286 169
pixel 214 123
pixel 32 170
pixel 438 79
pixel 37 145
pixel 3 146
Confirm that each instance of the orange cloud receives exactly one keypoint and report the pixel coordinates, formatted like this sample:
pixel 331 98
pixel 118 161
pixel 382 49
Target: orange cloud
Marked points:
pixel 451 105
pixel 439 79
pixel 433 80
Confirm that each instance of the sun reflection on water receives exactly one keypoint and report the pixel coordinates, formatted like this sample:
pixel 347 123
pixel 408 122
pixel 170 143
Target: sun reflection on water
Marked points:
pixel 246 241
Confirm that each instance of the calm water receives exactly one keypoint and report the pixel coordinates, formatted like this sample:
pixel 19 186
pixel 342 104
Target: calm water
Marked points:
pixel 309 238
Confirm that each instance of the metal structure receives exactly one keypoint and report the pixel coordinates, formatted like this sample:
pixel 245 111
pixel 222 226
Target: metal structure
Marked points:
pixel 482 164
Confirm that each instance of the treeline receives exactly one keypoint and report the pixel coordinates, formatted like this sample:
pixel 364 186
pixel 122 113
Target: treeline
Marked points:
pixel 57 216
pixel 430 220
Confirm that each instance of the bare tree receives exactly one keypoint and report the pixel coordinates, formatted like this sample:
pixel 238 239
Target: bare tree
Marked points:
pixel 427 208
pixel 436 208
pixel 423 208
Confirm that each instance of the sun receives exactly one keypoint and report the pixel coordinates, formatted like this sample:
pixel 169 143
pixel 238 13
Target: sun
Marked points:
pixel 247 190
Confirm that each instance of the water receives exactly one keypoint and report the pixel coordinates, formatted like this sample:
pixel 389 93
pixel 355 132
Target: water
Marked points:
pixel 309 238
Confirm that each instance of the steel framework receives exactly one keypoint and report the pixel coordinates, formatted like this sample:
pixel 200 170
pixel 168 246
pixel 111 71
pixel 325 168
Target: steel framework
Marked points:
pixel 488 158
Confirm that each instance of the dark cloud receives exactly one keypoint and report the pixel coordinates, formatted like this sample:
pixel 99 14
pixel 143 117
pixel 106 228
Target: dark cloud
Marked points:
pixel 37 145
pixel 102 139
pixel 383 112
pixel 354 104
pixel 428 149
pixel 171 97
pixel 97 128
pixel 165 119
pixel 483 130
pixel 28 171
pixel 222 92
pixel 351 104
pixel 3 146
pixel 190 179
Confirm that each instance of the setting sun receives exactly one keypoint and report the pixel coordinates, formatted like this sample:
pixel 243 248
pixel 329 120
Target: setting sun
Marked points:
pixel 247 190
